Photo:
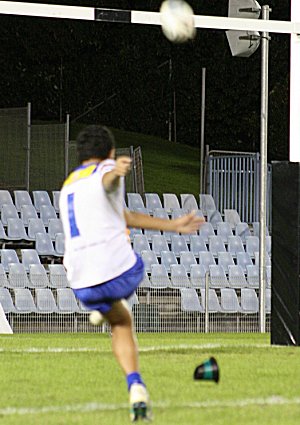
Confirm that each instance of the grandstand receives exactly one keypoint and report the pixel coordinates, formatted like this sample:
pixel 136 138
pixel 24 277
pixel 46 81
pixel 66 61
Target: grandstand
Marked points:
pixel 219 262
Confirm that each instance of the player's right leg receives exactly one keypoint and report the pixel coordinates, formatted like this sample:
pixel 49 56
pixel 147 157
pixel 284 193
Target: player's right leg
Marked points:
pixel 125 349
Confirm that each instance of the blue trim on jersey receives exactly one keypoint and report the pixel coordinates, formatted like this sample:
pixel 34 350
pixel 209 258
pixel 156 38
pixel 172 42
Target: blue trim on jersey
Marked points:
pixel 101 297
pixel 71 213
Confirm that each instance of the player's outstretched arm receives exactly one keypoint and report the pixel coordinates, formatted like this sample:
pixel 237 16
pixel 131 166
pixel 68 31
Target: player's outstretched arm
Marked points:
pixel 111 179
pixel 187 224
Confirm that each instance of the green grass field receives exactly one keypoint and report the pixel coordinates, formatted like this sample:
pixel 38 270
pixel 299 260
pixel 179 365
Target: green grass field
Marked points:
pixel 74 379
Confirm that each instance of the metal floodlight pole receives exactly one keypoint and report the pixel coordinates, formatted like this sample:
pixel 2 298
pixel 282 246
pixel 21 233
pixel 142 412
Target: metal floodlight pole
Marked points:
pixel 202 129
pixel 28 153
pixel 263 169
pixel 67 143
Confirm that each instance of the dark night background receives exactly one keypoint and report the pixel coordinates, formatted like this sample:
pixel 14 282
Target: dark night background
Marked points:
pixel 71 66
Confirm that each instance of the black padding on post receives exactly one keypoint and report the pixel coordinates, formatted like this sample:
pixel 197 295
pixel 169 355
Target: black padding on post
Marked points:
pixel 285 299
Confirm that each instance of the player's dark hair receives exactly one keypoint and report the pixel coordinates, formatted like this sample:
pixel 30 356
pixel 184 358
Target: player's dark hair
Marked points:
pixel 94 141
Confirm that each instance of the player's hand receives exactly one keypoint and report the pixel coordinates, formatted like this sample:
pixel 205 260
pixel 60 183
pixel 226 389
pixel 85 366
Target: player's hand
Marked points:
pixel 189 223
pixel 122 166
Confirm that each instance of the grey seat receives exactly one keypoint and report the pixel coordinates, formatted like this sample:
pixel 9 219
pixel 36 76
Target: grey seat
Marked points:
pixel 5 198
pixel 243 259
pixel 149 233
pixel 45 301
pixel 267 258
pixel 206 259
pixel 44 245
pixel 190 301
pixel 253 275
pixel 134 231
pixel 66 301
pixel 140 243
pixel 160 213
pixel 8 211
pixel 225 260
pixel 37 276
pixel 170 202
pixel 237 277
pixel 235 245
pixel 16 230
pixel 243 231
pixel 148 258
pixel 229 301
pixel 268 275
pixel 145 283
pixel 35 225
pixel 206 230
pixel 40 197
pixel 22 198
pixel 187 259
pixel 197 276
pixel 29 256
pixel 216 245
pixel 214 218
pixel 207 203
pixel 178 244
pixel 188 202
pixel 179 277
pixel 159 276
pixel 55 199
pixel 159 243
pixel 252 245
pixel 28 212
pixel 167 259
pixel 3 237
pixel 249 301
pixel 143 210
pixel 232 217
pixel 6 301
pixel 177 213
pixel 17 276
pixel 54 226
pixel 8 256
pixel 47 212
pixel 256 227
pixel 268 300
pixel 3 277
pixel 57 276
pixel 224 230
pixel 134 201
pixel 152 201
pixel 59 244
pixel 213 301
pixel 24 301
pixel 218 278
pixel 197 244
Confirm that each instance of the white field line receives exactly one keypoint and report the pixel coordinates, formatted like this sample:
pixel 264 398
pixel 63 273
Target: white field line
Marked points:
pixel 155 348
pixel 103 407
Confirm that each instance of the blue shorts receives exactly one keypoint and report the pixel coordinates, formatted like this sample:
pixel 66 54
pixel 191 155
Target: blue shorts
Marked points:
pixel 101 297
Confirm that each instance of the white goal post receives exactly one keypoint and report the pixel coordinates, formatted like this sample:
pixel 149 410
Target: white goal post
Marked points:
pixel 208 22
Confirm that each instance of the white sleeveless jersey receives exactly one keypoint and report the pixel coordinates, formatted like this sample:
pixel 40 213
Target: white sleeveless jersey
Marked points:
pixel 96 244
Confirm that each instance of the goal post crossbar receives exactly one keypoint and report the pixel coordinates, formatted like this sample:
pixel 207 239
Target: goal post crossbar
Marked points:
pixel 44 10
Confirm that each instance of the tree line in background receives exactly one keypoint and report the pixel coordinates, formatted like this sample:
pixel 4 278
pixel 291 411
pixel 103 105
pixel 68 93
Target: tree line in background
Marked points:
pixel 122 74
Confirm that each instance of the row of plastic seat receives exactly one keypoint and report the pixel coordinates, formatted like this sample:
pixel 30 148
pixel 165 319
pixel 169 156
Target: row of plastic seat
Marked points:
pixel 15 227
pixel 22 197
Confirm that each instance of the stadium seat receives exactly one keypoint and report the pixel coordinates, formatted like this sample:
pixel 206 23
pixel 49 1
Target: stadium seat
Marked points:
pixel 159 244
pixel 170 202
pixel 148 258
pixel 190 300
pixel 6 301
pixel 177 213
pixel 235 245
pixel 140 243
pixel 54 226
pixel 188 202
pixel 37 276
pixel 45 302
pixel 252 245
pixel 216 245
pixel 197 244
pixel 214 217
pixel 207 203
pixel 47 212
pixel 206 230
pixel 44 245
pixel 253 275
pixel 224 231
pixel 149 233
pixel 57 276
pixel 256 226
pixel 187 259
pixel 249 301
pixel 29 256
pixel 197 276
pixel 134 201
pixel 232 217
pixel 35 225
pixel 167 259
pixel 59 244
pixel 243 231
pixel 225 259
pixel 229 301
pixel 132 232
pixel 160 213
pixel 256 258
pixel 152 201
pixel 178 244
pixel 22 198
pixel 66 301
pixel 145 283
pixel 16 230
pixel 28 212
pixel 268 300
pixel 243 259
pixel 206 259
pixel 269 244
pixel 3 237
pixel 213 302
pixel 3 277
pixel 5 198
pixel 218 278
pixel 55 198
pixel 143 211
pixel 17 276
pixel 8 211
pixel 236 277
pixel 24 301
pixel 179 277
pixel 159 276
pixel 40 197
pixel 8 256
pixel 268 275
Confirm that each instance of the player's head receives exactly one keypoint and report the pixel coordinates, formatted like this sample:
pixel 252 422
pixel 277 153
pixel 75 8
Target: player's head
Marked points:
pixel 95 141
